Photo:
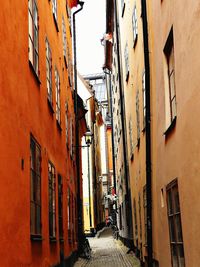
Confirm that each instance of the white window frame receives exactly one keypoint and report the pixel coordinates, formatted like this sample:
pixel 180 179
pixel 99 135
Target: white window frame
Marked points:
pixel 57 85
pixel 135 25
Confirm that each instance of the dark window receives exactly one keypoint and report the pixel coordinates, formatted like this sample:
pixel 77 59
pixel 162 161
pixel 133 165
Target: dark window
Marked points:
pixel 122 7
pixel 145 213
pixel 126 58
pixel 64 40
pixel 134 25
pixel 52 201
pixel 169 54
pixel 57 82
pixel 138 115
pixel 55 12
pixel 175 228
pixel 60 206
pixel 35 170
pixel 33 35
pixel 69 215
pixel 49 72
pixel 135 221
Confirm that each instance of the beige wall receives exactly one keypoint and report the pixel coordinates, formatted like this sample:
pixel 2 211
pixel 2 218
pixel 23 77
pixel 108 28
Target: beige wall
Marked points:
pixel 177 153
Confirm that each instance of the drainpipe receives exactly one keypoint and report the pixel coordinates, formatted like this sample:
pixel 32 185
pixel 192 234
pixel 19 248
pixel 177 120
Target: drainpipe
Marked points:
pixel 148 136
pixel 128 194
pixel 77 146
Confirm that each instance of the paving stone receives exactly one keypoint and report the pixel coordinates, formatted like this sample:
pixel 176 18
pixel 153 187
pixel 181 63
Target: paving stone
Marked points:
pixel 108 252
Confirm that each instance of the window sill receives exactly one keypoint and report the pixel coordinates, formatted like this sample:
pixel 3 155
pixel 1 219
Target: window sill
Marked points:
pixel 34 73
pixel 58 125
pixel 37 238
pixel 50 105
pixel 171 127
pixel 52 239
pixel 56 23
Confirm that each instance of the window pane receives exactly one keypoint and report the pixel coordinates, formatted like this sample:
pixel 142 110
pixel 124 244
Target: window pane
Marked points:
pixel 169 198
pixel 32 218
pixel 172 230
pixel 181 256
pixel 174 256
pixel 38 220
pixel 178 228
pixel 176 199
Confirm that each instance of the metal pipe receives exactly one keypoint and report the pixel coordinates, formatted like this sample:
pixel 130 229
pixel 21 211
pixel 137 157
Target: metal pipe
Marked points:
pixel 79 202
pixel 89 191
pixel 148 135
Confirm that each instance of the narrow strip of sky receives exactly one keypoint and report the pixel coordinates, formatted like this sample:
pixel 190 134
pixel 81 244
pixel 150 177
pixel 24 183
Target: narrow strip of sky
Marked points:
pixel 90 27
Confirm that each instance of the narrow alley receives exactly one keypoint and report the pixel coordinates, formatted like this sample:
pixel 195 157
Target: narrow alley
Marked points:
pixel 109 252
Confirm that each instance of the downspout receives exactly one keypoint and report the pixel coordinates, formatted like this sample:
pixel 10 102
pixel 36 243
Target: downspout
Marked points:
pixel 128 194
pixel 79 202
pixel 148 136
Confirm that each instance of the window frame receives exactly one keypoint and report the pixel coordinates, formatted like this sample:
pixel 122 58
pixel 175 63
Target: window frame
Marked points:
pixel 126 60
pixel 33 36
pixel 35 186
pixel 60 207
pixel 171 105
pixel 173 213
pixel 64 39
pixel 55 13
pixel 52 201
pixel 49 69
pixel 135 25
pixel 58 98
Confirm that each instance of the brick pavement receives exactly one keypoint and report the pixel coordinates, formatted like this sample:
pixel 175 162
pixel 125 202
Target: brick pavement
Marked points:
pixel 107 252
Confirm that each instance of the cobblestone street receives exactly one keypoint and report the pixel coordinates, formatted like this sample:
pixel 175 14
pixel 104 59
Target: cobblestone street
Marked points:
pixel 108 252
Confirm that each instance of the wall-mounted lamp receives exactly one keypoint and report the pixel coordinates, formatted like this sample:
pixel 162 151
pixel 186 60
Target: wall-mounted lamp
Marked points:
pixel 88 138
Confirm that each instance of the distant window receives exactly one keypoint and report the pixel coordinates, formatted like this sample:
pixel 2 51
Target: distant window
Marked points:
pixel 135 25
pixel 170 92
pixel 55 10
pixel 33 35
pixel 35 173
pixel 144 99
pixel 138 115
pixel 52 201
pixel 69 215
pixel 122 7
pixel 145 213
pixel 60 206
pixel 175 228
pixel 126 58
pixel 64 40
pixel 140 215
pixel 49 72
pixel 131 138
pixel 57 83
pixel 135 221
pixel 66 125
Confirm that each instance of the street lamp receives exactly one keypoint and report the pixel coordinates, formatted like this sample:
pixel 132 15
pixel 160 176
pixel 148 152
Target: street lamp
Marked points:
pixel 88 138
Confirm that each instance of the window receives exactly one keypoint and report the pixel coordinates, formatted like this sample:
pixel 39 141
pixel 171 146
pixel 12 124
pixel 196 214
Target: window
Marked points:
pixel 69 214
pixel 60 206
pixel 122 7
pixel 126 62
pixel 70 70
pixel 35 173
pixel 66 125
pixel 131 138
pixel 55 11
pixel 144 99
pixel 145 213
pixel 57 82
pixel 135 220
pixel 138 115
pixel 49 73
pixel 135 25
pixel 52 201
pixel 170 93
pixel 140 216
pixel 175 228
pixel 33 45
pixel 64 40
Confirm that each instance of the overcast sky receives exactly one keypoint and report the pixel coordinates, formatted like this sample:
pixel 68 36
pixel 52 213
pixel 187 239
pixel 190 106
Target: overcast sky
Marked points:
pixel 90 27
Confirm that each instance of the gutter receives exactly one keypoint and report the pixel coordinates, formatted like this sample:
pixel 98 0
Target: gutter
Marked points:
pixel 148 136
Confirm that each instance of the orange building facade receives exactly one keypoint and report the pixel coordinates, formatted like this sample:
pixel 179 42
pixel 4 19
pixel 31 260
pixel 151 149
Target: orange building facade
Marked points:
pixel 37 166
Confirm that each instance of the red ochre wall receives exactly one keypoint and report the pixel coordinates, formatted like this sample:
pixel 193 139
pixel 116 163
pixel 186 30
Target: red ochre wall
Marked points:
pixel 24 110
